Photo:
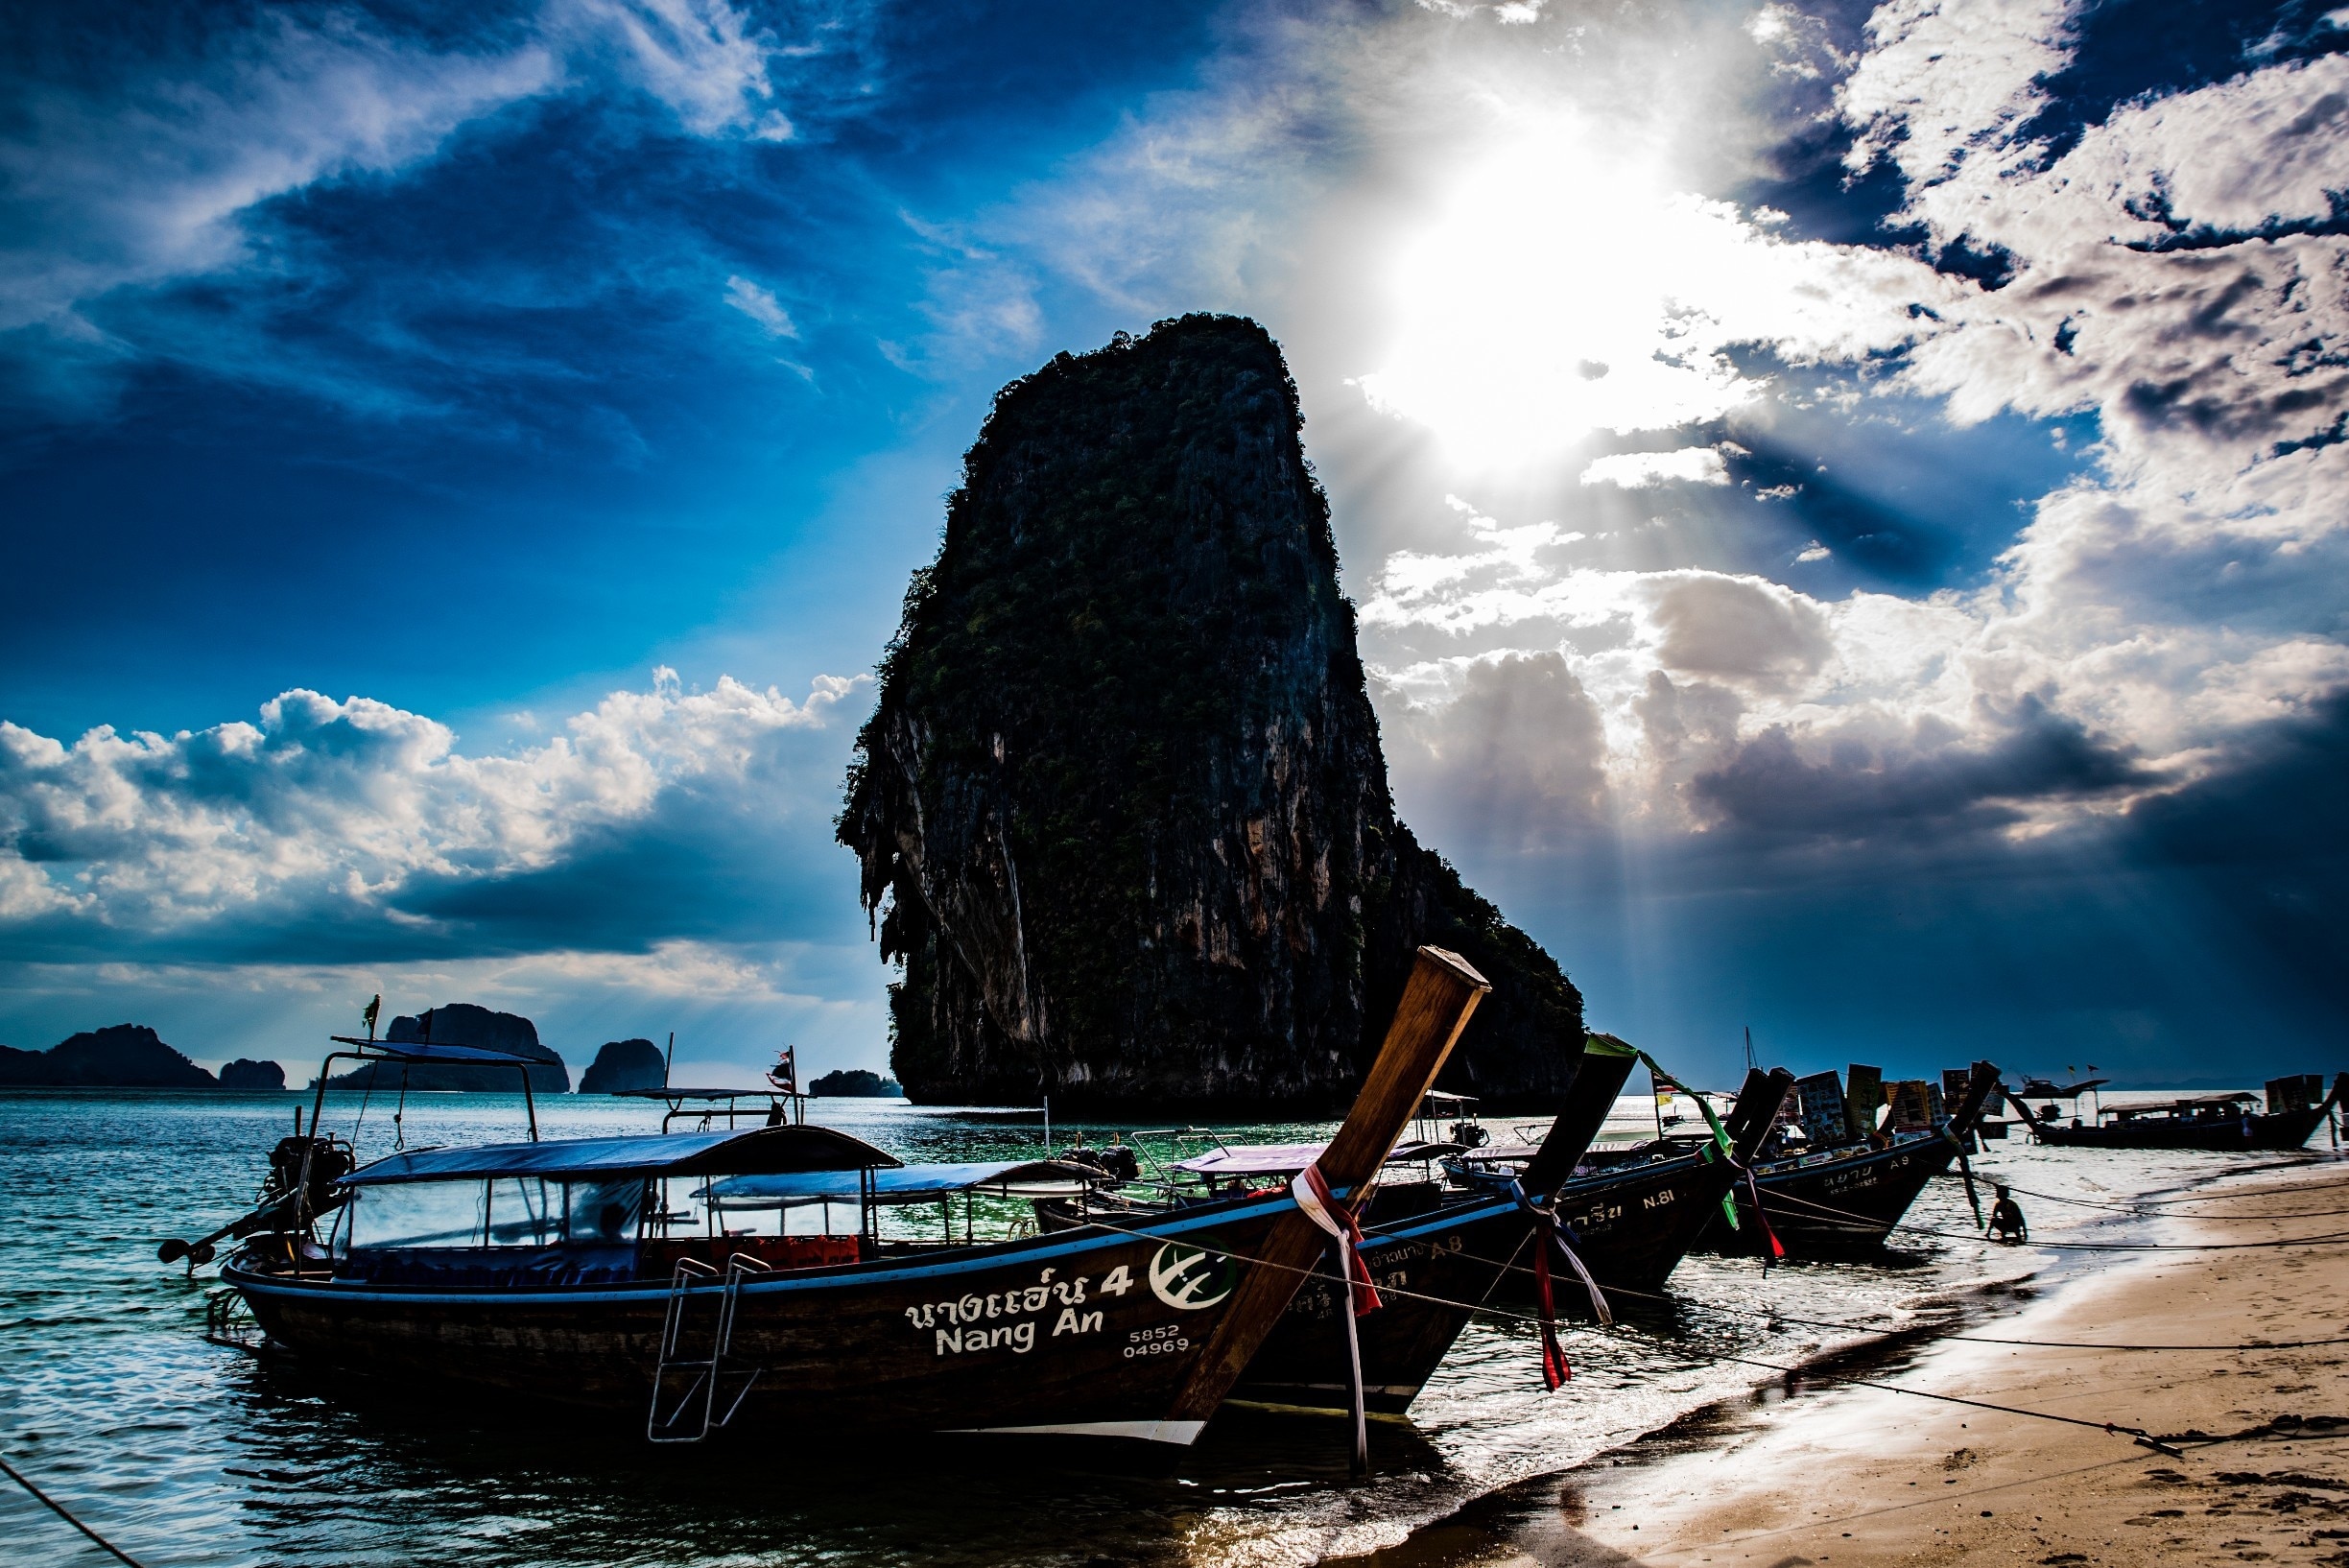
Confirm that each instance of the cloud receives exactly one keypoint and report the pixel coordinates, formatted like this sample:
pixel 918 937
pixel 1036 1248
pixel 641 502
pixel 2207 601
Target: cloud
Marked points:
pixel 760 306
pixel 1645 470
pixel 107 192
pixel 358 813
pixel 1738 628
pixel 152 168
pixel 700 58
pixel 1927 781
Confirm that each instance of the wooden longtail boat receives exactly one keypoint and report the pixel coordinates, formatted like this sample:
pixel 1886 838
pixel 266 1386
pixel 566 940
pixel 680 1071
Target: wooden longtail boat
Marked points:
pixel 1841 1201
pixel 1634 1219
pixel 1441 1258
pixel 2219 1122
pixel 572 1299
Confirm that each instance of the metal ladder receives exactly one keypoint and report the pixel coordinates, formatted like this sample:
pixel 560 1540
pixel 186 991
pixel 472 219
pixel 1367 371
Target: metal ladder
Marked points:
pixel 696 1412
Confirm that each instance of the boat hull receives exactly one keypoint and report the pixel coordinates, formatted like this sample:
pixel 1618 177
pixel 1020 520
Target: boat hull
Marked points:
pixel 1432 1271
pixel 1090 1335
pixel 1632 1227
pixel 2282 1130
pixel 1839 1206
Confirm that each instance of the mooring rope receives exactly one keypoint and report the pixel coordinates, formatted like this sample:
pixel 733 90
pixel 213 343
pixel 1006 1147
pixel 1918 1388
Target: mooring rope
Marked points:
pixel 1774 1316
pixel 65 1513
pixel 2153 1208
pixel 2136 1434
pixel 1856 1220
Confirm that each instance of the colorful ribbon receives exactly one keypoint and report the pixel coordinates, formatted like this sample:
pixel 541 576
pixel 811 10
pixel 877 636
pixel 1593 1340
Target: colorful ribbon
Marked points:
pixel 1551 1232
pixel 1310 1190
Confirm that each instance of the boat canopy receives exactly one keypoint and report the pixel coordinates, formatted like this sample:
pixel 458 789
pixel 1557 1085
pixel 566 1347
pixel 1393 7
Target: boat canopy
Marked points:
pixel 1289 1158
pixel 2207 1102
pixel 763 1148
pixel 907 1184
pixel 426 1050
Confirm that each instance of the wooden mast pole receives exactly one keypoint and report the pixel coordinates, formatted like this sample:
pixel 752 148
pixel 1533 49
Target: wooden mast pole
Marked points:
pixel 1442 993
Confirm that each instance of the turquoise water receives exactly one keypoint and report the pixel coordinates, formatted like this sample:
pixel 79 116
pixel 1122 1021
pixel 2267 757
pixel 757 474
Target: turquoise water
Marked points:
pixel 188 1454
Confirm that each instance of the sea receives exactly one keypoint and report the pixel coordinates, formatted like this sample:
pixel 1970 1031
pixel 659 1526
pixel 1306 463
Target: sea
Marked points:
pixel 188 1454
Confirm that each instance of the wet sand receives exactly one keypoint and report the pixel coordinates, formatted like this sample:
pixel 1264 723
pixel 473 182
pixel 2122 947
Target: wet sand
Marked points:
pixel 1816 1472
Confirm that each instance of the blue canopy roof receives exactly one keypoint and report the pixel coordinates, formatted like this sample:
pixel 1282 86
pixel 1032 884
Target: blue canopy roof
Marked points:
pixel 751 1149
pixel 426 1050
pixel 907 1184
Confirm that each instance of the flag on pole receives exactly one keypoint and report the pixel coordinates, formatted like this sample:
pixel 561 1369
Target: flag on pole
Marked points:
pixel 784 1075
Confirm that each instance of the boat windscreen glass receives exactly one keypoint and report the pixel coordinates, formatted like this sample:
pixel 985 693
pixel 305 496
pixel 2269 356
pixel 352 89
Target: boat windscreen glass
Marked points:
pixel 525 1211
pixel 605 1211
pixel 418 1214
pixel 504 1211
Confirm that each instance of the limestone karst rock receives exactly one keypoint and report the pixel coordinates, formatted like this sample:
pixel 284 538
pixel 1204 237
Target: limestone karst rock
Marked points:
pixel 246 1074
pixel 624 1064
pixel 1122 808
pixel 462 1023
pixel 118 1057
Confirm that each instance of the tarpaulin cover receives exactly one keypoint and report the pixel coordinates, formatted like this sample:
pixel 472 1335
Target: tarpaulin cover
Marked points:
pixel 910 1184
pixel 764 1149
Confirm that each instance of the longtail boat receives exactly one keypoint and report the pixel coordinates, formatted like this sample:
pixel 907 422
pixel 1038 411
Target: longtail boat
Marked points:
pixel 548 1274
pixel 1636 1215
pixel 2218 1122
pixel 1836 1201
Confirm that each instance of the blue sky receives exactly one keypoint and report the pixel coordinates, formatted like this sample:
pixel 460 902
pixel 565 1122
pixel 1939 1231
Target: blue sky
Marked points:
pixel 1846 502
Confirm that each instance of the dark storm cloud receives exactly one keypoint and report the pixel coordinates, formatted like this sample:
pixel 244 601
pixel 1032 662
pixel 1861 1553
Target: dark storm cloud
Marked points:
pixel 1934 782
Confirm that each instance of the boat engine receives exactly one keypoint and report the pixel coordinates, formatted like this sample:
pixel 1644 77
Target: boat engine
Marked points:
pixel 330 1161
pixel 1469 1135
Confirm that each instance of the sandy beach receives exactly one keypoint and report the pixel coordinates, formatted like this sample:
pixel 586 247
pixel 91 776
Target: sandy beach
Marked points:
pixel 1826 1472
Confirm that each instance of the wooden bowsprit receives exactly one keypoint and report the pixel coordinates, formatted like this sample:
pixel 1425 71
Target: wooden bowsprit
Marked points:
pixel 1443 993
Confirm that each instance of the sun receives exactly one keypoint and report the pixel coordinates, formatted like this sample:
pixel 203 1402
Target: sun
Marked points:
pixel 1561 289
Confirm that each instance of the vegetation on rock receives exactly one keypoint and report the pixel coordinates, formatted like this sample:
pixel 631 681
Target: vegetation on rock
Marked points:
pixel 1121 808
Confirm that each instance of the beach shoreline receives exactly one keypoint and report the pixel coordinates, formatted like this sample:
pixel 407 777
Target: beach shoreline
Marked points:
pixel 1814 1469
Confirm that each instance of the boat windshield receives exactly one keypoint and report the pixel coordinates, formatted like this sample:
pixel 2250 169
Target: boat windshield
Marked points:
pixel 502 1211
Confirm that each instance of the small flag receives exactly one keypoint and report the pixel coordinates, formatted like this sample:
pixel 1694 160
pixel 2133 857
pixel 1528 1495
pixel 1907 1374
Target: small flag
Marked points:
pixel 784 1075
pixel 368 1014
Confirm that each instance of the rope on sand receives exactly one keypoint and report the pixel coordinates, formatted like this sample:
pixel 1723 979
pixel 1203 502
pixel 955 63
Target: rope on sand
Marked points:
pixel 2134 1434
pixel 1771 1316
pixel 2153 1208
pixel 1859 1221
pixel 63 1512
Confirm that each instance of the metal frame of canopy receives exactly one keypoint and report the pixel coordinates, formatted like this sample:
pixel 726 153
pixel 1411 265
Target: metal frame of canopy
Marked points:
pixel 677 1099
pixel 902 1186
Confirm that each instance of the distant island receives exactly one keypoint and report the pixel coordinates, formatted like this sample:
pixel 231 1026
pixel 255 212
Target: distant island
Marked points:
pixel 242 1074
pixel 125 1057
pixel 462 1023
pixel 856 1083
pixel 623 1065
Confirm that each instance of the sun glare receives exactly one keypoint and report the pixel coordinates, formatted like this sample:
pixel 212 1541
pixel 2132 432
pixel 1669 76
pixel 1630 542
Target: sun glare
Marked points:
pixel 1561 291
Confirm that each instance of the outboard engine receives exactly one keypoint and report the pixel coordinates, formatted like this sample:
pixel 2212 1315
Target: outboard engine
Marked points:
pixel 1469 1135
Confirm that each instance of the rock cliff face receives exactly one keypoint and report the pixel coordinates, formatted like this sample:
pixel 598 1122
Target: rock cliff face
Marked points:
pixel 1122 809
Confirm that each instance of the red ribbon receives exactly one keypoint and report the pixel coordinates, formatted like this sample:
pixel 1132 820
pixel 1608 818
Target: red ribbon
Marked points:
pixel 1762 1218
pixel 1555 1369
pixel 1312 1192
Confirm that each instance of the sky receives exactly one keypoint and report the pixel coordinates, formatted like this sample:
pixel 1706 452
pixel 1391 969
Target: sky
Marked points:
pixel 1847 506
